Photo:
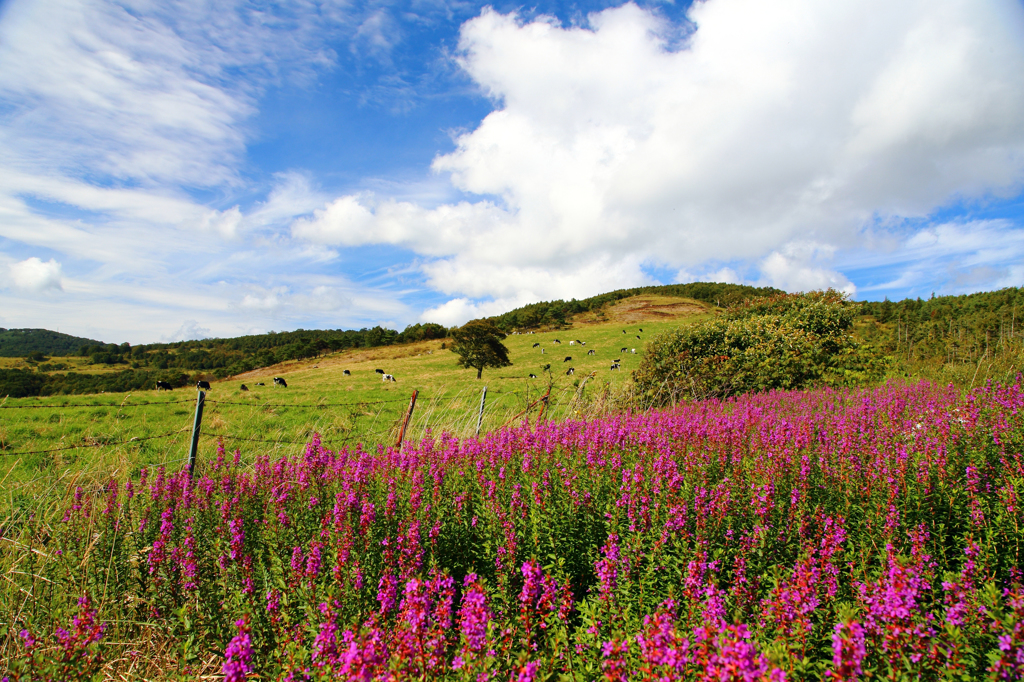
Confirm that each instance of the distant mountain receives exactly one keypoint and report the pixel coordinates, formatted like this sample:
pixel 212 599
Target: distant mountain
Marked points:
pixel 16 343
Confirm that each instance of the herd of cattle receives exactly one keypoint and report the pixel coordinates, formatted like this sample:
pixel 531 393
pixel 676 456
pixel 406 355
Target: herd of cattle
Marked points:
pixel 385 377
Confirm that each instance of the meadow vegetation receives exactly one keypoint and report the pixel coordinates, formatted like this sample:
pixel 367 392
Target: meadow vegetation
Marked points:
pixel 859 534
pixel 742 532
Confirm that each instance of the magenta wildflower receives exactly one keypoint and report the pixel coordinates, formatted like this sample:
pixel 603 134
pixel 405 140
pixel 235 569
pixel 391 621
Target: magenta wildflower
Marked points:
pixel 238 655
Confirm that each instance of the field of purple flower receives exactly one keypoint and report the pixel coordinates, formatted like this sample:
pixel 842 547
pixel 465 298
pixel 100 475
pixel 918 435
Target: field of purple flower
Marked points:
pixel 862 534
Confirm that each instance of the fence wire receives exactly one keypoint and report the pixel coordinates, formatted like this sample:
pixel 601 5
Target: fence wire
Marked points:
pixel 101 444
pixel 108 405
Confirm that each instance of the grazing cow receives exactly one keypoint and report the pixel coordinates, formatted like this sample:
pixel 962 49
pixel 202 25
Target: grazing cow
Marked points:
pixel 557 341
pixel 547 367
pixel 623 350
pixel 591 352
pixel 533 376
pixel 204 385
pixel 572 343
pixel 379 371
pixel 279 381
pixel 638 337
pixel 641 330
pixel 583 343
pixel 261 384
pixel 567 358
pixel 616 361
pixel 163 386
pixel 614 366
pixel 388 377
pixel 623 331
pixel 244 387
pixel 536 344
pixel 633 351
pixel 570 371
pixel 347 373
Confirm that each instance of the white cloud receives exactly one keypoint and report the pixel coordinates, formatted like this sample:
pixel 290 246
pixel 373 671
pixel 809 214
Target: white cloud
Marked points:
pixel 458 311
pixel 188 331
pixel 33 275
pixel 775 124
pixel 799 266
pixel 955 257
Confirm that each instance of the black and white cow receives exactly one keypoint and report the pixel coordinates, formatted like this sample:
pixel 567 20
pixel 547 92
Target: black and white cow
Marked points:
pixel 570 371
pixel 536 344
pixel 614 366
pixel 638 337
pixel 568 358
pixel 379 371
pixel 279 381
pixel 244 388
pixel 347 373
pixel 533 376
pixel 388 377
pixel 163 386
pixel 260 384
pixel 623 350
pixel 557 341
pixel 591 352
pixel 203 385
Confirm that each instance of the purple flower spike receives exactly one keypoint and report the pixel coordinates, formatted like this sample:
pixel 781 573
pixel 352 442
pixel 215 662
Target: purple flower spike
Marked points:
pixel 238 655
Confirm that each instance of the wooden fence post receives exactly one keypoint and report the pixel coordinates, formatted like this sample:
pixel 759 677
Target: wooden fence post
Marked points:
pixel 544 405
pixel 480 416
pixel 196 424
pixel 405 422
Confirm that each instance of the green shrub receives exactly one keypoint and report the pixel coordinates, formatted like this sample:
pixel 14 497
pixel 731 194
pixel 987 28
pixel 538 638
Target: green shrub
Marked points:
pixel 787 341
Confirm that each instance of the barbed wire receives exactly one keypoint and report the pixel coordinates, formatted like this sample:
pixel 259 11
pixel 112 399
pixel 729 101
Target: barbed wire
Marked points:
pixel 346 439
pixel 255 404
pixel 134 439
pixel 112 405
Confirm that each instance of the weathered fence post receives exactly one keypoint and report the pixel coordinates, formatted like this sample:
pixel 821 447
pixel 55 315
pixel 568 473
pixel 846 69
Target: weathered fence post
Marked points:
pixel 405 422
pixel 200 400
pixel 480 416
pixel 544 405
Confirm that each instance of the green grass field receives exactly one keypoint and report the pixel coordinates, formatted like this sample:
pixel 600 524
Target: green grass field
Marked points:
pixel 344 410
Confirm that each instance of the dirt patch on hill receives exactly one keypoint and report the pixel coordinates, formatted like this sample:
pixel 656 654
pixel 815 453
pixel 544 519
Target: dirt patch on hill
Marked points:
pixel 646 308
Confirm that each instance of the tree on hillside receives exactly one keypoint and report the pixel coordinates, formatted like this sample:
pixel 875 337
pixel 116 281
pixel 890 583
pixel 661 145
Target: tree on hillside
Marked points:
pixel 478 344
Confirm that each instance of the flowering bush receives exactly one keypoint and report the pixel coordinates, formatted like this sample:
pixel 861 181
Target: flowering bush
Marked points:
pixel 829 534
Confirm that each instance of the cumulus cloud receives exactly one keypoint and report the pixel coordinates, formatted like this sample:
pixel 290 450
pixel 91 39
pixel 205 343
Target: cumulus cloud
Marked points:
pixel 33 275
pixel 802 266
pixel 189 330
pixel 612 147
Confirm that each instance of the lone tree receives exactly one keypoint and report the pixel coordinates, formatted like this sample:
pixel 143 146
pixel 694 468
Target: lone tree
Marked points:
pixel 478 345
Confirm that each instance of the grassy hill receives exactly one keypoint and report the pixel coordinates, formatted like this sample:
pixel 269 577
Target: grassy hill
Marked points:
pixel 346 409
pixel 124 367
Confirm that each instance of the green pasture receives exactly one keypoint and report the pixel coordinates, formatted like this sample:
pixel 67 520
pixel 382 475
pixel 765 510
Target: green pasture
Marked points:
pixel 124 432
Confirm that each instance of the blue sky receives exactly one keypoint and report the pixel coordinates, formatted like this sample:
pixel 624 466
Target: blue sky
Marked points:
pixel 174 170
